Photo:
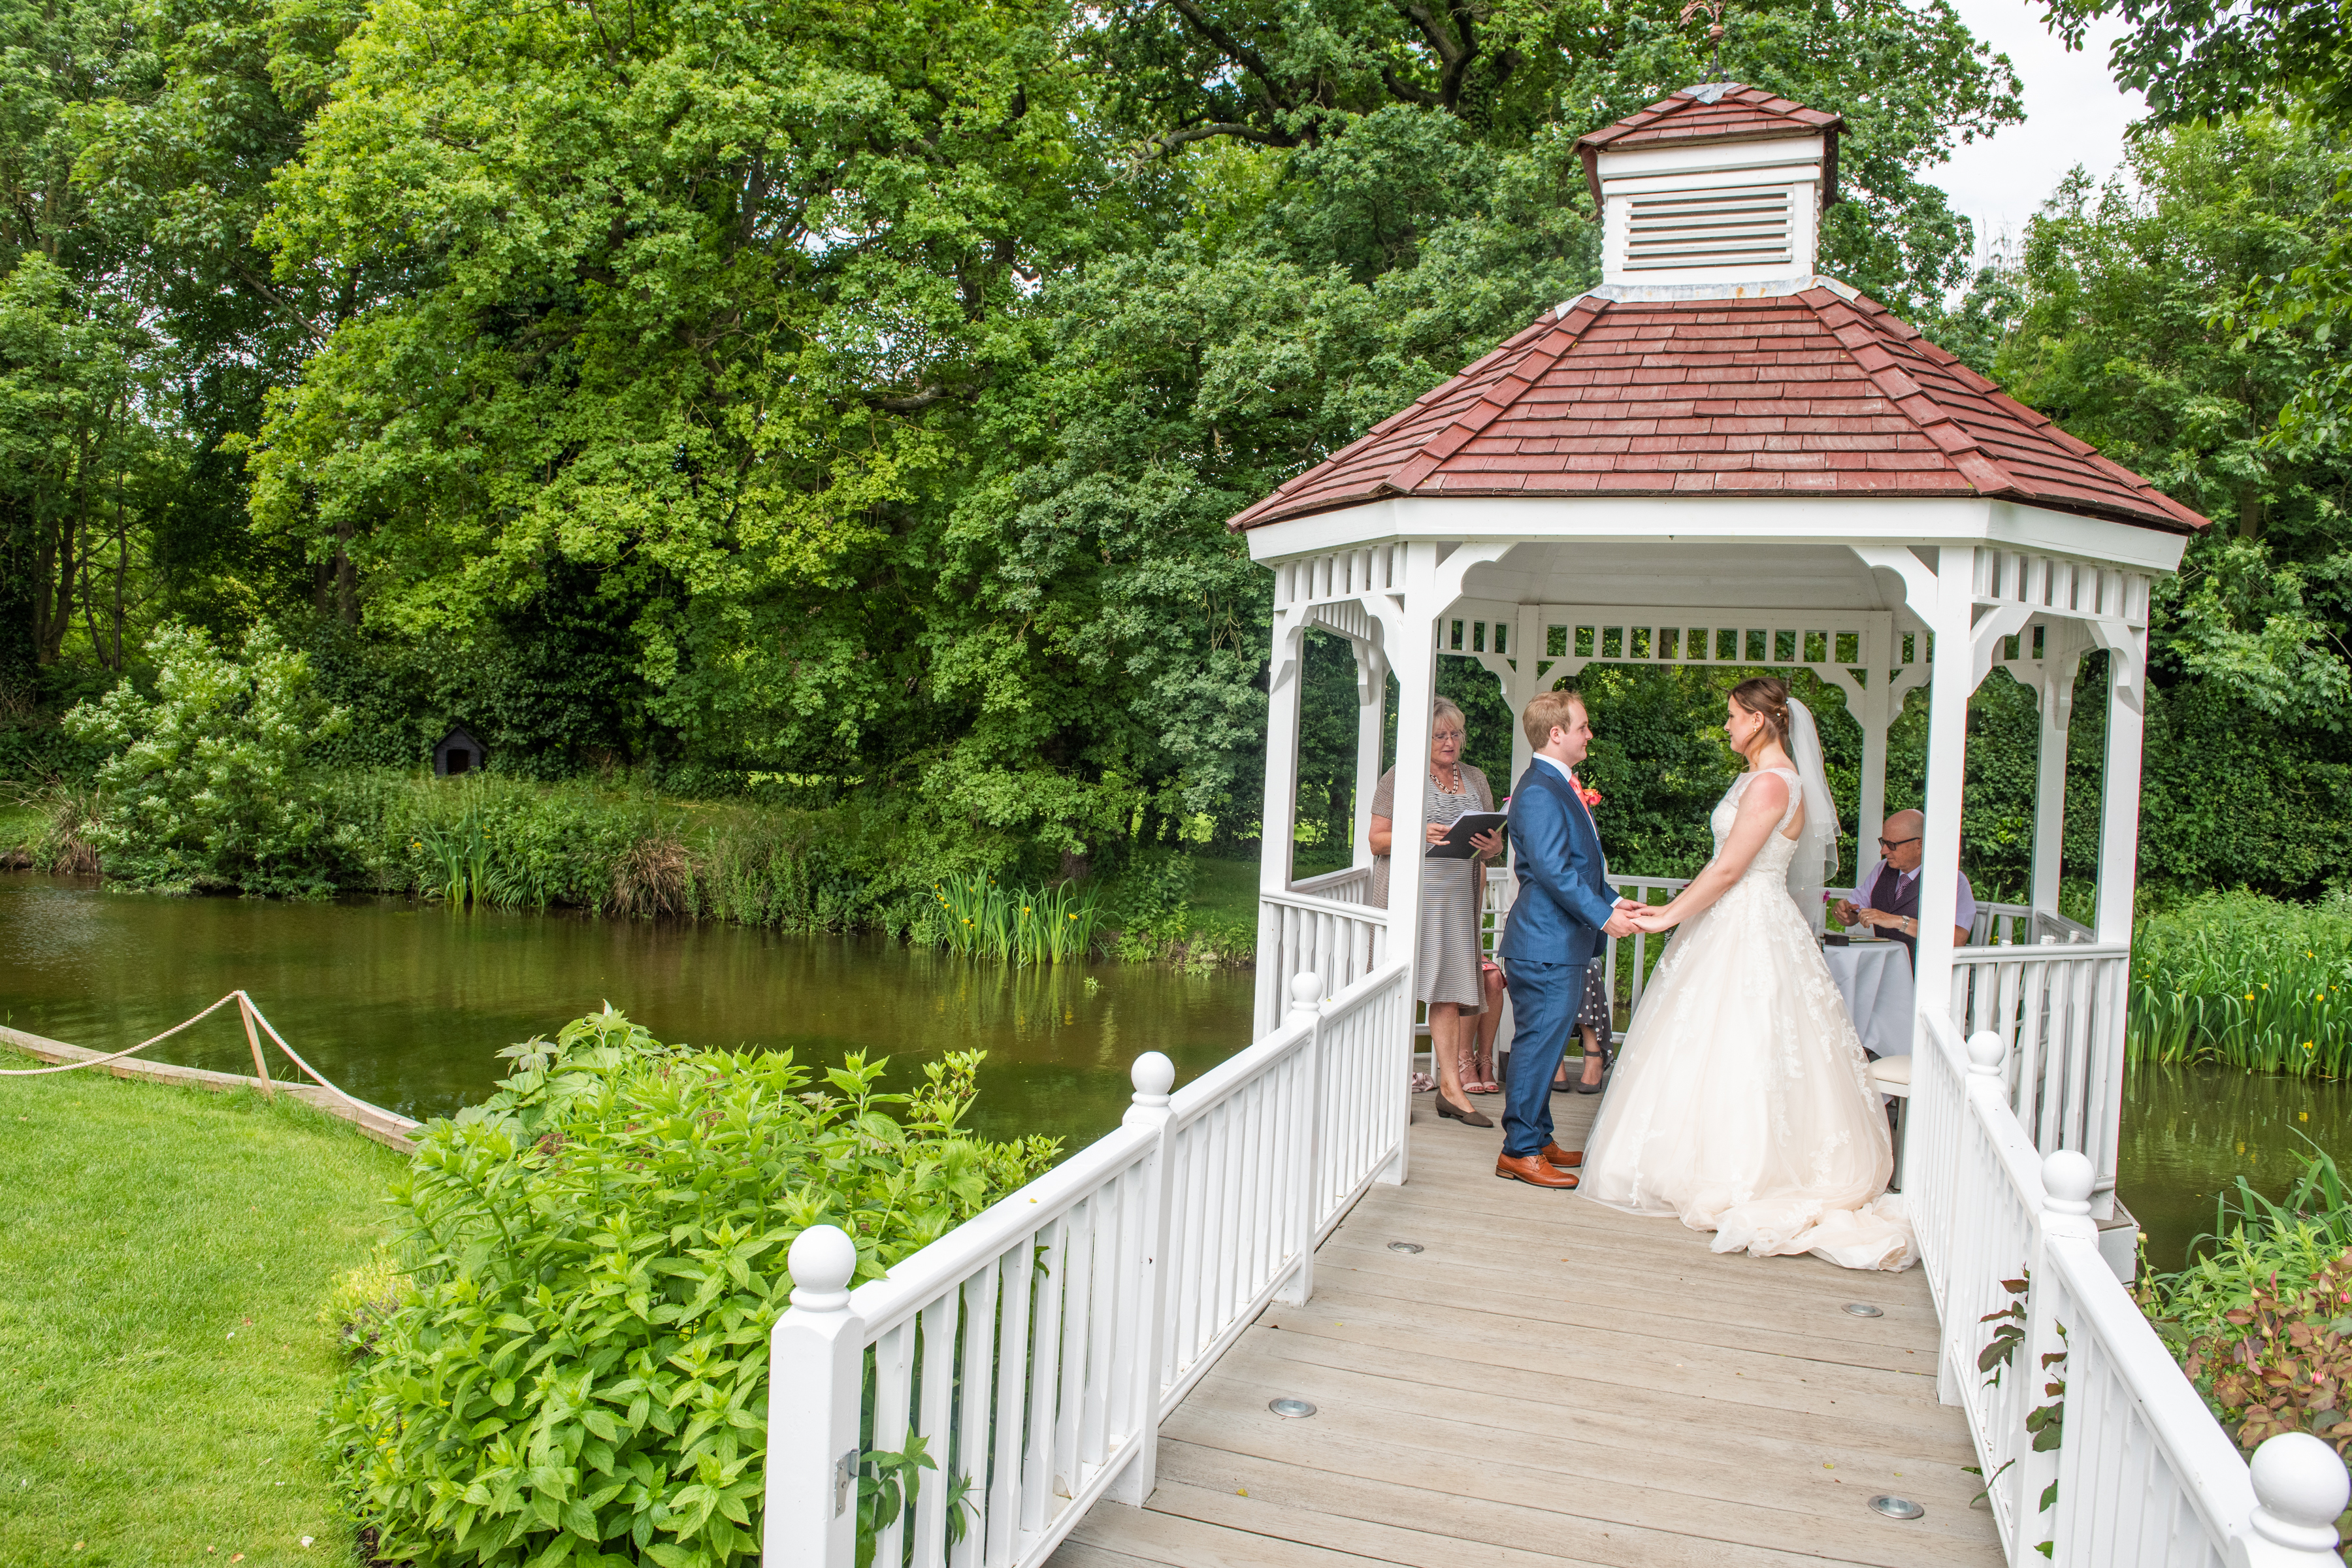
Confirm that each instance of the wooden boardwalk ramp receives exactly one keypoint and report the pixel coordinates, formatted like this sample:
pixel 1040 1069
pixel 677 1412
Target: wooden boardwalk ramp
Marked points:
pixel 1552 1382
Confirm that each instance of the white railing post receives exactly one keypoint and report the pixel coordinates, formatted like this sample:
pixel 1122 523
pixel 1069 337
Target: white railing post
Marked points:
pixel 1144 1342
pixel 2300 1489
pixel 1306 1136
pixel 816 1364
pixel 2066 1178
pixel 1966 1245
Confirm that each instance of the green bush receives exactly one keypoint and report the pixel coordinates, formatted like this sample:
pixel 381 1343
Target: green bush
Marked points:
pixel 577 1368
pixel 2261 1320
pixel 2249 981
pixel 212 784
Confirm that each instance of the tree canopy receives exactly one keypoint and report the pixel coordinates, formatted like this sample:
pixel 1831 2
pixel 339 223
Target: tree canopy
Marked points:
pixel 856 393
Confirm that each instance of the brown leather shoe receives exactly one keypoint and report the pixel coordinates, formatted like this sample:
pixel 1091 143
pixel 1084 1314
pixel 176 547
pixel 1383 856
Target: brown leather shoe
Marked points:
pixel 1535 1172
pixel 1566 1159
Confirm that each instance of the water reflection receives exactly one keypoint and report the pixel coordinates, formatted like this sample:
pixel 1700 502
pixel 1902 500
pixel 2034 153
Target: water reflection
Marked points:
pixel 2190 1132
pixel 406 1004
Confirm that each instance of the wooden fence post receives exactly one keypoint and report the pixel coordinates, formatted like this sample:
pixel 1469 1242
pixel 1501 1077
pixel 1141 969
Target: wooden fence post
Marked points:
pixel 260 1066
pixel 816 1364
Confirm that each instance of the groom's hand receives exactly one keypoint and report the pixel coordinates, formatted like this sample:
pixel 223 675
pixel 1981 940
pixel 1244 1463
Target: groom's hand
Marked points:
pixel 1621 923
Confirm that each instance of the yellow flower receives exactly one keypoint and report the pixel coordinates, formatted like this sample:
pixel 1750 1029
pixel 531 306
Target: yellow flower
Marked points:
pixel 2250 996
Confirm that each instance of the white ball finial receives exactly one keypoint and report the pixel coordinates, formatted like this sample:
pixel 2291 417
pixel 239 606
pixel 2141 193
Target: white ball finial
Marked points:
pixel 822 1260
pixel 1153 1075
pixel 2300 1486
pixel 2066 1180
pixel 1306 991
pixel 1985 1051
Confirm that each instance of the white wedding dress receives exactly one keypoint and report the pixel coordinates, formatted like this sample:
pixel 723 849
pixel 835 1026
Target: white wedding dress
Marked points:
pixel 1741 1100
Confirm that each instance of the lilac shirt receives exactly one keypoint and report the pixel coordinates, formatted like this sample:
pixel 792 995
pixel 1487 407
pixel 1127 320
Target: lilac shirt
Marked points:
pixel 1964 917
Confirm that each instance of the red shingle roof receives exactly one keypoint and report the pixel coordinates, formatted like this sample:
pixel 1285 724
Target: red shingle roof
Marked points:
pixel 1719 111
pixel 1811 393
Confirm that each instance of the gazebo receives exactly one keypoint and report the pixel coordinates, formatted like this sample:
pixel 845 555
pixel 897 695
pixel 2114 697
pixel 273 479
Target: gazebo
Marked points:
pixel 1719 457
pixel 1716 457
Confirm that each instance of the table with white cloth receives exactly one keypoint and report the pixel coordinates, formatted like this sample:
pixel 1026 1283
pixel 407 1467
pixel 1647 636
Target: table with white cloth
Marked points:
pixel 1874 977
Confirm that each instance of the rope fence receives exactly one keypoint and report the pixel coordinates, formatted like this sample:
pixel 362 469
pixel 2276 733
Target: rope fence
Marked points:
pixel 250 1015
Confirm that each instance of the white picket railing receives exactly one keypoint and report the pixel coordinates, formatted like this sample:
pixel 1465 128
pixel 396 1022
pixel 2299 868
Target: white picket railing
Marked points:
pixel 1034 1349
pixel 1302 933
pixel 2023 925
pixel 2144 1477
pixel 2059 1010
pixel 1349 885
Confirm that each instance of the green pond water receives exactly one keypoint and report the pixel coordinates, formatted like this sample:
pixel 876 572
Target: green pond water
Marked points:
pixel 407 1005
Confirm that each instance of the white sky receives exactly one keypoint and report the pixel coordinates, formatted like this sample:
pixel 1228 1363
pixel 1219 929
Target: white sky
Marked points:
pixel 2074 113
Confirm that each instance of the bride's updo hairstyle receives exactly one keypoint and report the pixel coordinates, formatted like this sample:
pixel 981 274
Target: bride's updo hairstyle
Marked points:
pixel 1766 697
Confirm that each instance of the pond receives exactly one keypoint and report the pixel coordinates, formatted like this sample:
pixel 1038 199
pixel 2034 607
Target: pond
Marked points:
pixel 407 1005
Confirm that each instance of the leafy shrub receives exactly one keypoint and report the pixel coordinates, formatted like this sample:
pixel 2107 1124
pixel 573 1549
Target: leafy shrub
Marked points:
pixel 2245 979
pixel 211 784
pixel 577 1369
pixel 2261 1318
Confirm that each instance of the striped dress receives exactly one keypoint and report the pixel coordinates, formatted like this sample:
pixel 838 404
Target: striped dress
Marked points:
pixel 1453 893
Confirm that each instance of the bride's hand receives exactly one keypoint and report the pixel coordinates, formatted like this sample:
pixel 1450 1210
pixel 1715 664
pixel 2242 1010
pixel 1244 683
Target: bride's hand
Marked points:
pixel 1654 920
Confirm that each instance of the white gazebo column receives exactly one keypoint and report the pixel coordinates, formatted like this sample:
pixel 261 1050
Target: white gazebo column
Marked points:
pixel 2118 871
pixel 1874 713
pixel 1527 680
pixel 1278 824
pixel 2060 656
pixel 1950 620
pixel 2119 795
pixel 1372 708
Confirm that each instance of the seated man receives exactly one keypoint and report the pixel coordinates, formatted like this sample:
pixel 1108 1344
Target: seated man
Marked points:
pixel 1890 891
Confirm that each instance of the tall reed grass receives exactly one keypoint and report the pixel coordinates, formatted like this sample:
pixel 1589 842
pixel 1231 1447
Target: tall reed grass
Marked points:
pixel 983 918
pixel 2245 981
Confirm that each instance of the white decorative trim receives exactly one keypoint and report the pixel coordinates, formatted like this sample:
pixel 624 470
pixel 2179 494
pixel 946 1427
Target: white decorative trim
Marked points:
pixel 2087 590
pixel 1878 521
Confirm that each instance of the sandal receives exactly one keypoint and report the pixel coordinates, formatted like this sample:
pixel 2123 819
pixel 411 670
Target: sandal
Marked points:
pixel 1478 1072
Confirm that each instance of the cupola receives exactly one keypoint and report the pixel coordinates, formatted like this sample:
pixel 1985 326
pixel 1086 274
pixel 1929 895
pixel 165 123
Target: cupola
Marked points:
pixel 1714 193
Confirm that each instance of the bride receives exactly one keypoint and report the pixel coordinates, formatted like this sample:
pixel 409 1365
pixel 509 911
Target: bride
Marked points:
pixel 1741 1100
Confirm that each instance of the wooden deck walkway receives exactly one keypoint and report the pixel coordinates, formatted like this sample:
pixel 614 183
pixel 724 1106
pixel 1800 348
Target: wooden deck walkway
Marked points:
pixel 1552 1382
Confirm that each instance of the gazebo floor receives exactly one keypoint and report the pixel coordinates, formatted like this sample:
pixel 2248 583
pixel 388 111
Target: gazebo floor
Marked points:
pixel 1548 1381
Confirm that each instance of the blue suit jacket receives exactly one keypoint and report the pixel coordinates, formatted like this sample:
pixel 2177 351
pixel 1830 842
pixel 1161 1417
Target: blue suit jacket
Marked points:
pixel 1564 897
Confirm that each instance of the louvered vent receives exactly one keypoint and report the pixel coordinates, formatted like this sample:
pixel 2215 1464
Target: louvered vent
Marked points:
pixel 1736 227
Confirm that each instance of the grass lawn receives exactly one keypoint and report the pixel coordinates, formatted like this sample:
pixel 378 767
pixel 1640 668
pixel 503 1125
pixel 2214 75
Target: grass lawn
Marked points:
pixel 163 1256
pixel 20 825
pixel 1225 890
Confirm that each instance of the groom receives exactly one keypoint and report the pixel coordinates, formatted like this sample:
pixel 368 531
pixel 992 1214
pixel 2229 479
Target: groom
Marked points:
pixel 1563 909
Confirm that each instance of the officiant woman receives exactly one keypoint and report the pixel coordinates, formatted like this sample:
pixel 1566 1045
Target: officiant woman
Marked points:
pixel 1453 894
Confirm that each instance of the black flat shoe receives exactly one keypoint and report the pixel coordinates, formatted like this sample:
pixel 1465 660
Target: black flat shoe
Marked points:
pixel 1467 1117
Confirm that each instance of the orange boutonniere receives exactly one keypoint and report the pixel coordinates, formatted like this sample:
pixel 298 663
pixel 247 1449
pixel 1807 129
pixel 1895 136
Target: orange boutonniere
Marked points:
pixel 1592 797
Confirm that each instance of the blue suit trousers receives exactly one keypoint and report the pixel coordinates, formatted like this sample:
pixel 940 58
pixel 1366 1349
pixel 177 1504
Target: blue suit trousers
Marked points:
pixel 1545 999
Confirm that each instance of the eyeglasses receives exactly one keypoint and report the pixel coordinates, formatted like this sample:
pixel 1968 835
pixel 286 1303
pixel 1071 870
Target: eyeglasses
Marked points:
pixel 1891 844
pixel 1447 735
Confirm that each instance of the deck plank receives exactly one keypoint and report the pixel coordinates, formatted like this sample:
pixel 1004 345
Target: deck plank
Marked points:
pixel 1550 1383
